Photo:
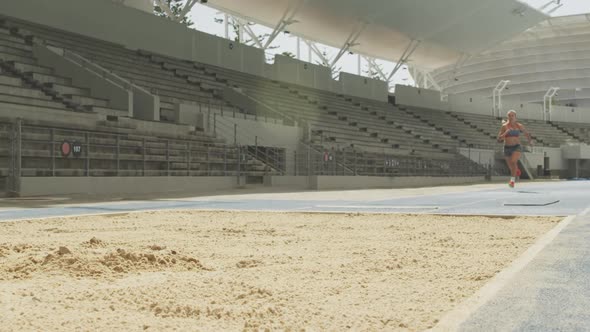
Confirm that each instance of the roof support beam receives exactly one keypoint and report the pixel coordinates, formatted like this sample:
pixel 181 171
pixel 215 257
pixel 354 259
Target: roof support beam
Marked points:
pixel 557 5
pixel 314 48
pixel 164 6
pixel 245 27
pixel 187 8
pixel 373 65
pixel 350 42
pixel 423 78
pixel 404 57
pixel 285 21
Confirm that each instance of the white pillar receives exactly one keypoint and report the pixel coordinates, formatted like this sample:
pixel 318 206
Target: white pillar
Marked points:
pixel 497 97
pixel 226 22
pixel 360 73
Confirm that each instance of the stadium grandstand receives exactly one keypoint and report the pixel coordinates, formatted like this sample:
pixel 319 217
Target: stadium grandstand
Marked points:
pixel 155 176
pixel 91 104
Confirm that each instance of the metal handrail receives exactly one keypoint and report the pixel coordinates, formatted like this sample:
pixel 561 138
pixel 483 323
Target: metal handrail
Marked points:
pixel 311 148
pixel 147 155
pixel 274 162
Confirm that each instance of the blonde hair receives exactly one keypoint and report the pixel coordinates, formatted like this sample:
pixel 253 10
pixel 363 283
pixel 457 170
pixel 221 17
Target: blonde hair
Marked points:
pixel 507 114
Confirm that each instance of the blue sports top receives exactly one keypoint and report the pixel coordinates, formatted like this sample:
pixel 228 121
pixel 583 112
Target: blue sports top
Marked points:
pixel 513 133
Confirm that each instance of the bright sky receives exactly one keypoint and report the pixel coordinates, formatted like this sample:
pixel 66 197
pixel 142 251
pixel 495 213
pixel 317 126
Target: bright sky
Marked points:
pixel 204 18
pixel 570 7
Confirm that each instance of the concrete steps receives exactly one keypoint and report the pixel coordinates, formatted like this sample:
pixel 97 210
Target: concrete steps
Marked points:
pixel 30 101
pixel 17 58
pixel 46 78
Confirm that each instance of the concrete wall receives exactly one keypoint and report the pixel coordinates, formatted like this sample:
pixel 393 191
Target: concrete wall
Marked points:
pixel 481 156
pixel 205 49
pixel 268 133
pixel 303 73
pixel 254 105
pixel 524 111
pixel 570 114
pixel 367 182
pixel 364 87
pixel 534 160
pixel 39 186
pixel 577 151
pixel 290 182
pixel 336 86
pixel 251 132
pixel 44 186
pixel 146 106
pixel 556 161
pixel 323 78
pixel 410 96
pixel 188 114
pixel 232 55
pixel 474 105
pixel 145 5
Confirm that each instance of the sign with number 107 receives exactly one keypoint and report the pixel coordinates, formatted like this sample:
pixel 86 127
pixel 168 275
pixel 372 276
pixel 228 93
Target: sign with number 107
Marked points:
pixel 76 149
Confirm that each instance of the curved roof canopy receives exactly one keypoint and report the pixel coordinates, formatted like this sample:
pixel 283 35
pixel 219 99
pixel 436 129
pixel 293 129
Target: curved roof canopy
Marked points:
pixel 555 27
pixel 445 29
pixel 551 54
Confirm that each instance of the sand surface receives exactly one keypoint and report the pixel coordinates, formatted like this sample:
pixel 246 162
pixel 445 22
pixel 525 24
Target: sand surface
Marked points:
pixel 233 271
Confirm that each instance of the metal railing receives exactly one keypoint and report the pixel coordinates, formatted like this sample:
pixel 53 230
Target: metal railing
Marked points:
pixel 314 160
pixel 53 151
pixel 255 146
pixel 352 162
pixel 36 150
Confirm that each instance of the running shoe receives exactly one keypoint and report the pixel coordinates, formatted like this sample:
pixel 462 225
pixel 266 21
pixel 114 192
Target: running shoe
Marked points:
pixel 511 184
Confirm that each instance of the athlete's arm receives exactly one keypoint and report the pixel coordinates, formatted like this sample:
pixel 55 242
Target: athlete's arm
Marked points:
pixel 526 134
pixel 501 133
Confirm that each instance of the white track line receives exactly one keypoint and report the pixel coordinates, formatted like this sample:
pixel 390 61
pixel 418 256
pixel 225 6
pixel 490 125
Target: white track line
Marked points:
pixel 453 319
pixel 468 203
pixel 379 206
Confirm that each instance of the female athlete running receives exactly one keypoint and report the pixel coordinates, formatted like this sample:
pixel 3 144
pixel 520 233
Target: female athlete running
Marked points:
pixel 510 135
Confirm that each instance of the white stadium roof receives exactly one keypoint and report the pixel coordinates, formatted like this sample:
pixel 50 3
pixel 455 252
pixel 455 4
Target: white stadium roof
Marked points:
pixel 555 53
pixel 443 30
pixel 555 27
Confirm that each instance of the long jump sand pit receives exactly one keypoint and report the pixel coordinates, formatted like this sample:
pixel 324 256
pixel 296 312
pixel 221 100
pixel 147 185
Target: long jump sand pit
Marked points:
pixel 212 271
